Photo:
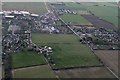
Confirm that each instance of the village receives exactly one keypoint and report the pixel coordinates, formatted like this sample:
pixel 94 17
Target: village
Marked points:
pixel 17 33
pixel 64 38
pixel 98 39
pixel 18 26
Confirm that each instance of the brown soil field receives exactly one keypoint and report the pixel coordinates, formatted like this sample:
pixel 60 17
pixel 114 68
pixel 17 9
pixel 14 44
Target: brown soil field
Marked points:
pixel 109 58
pixel 99 22
pixel 91 72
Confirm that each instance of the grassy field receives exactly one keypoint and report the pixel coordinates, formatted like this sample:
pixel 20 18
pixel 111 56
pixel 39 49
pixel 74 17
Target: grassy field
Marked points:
pixel 101 10
pixel 43 71
pixel 67 51
pixel 75 19
pixel 33 7
pixel 25 58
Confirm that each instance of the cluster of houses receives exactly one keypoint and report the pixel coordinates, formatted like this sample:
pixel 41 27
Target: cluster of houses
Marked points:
pixel 41 49
pixel 97 37
pixel 14 13
pixel 109 37
pixel 18 34
pixel 48 23
pixel 64 11
pixel 23 20
pixel 15 42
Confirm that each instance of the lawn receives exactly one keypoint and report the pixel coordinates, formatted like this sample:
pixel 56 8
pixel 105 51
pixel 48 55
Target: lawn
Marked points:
pixel 67 50
pixel 43 71
pixel 27 58
pixel 33 7
pixel 75 19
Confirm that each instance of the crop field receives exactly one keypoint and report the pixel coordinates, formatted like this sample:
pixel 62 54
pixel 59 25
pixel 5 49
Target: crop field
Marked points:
pixel 25 58
pixel 91 72
pixel 67 50
pixel 102 12
pixel 33 7
pixel 100 9
pixel 75 19
pixel 99 23
pixel 110 58
pixel 42 71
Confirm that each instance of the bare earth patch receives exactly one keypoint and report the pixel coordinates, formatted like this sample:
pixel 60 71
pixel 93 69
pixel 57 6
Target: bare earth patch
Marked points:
pixel 109 58
pixel 92 72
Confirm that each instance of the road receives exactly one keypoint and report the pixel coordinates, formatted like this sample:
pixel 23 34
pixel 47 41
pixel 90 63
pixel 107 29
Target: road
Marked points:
pixel 80 38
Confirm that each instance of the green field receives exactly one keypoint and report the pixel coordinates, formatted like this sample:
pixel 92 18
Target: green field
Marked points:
pixel 101 10
pixel 43 71
pixel 33 7
pixel 67 50
pixel 104 10
pixel 75 19
pixel 27 58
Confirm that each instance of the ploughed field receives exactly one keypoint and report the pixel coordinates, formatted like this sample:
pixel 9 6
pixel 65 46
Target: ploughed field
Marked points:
pixel 99 23
pixel 67 50
pixel 91 72
pixel 109 58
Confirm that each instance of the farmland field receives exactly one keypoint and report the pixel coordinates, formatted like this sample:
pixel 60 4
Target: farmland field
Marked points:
pixel 42 71
pixel 92 72
pixel 100 9
pixel 102 12
pixel 25 58
pixel 110 58
pixel 75 19
pixel 67 50
pixel 99 23
pixel 33 7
